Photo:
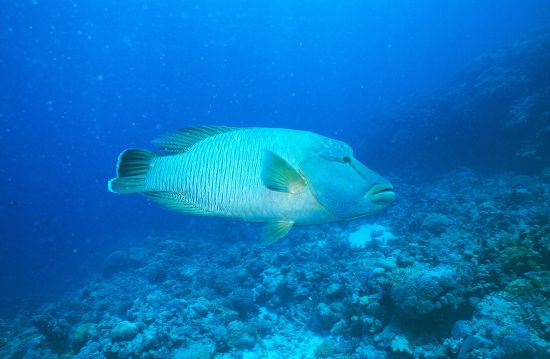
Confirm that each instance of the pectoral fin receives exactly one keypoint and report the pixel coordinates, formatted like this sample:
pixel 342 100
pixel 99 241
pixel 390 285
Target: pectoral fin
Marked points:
pixel 273 231
pixel 278 175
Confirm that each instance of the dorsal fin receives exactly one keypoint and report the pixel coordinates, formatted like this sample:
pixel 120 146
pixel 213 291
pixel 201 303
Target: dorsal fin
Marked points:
pixel 182 140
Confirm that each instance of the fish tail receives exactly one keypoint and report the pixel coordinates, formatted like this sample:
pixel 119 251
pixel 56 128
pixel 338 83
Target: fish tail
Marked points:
pixel 131 171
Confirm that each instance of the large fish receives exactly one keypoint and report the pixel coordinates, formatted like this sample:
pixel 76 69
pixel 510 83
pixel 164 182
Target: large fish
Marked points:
pixel 279 176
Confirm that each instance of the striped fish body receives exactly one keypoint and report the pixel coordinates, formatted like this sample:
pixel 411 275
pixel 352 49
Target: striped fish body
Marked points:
pixel 278 176
pixel 221 175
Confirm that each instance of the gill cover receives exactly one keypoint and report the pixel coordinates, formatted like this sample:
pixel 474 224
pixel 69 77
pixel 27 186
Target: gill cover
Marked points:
pixel 336 185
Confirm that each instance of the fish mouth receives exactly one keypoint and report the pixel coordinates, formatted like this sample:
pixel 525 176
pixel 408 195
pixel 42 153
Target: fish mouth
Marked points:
pixel 381 193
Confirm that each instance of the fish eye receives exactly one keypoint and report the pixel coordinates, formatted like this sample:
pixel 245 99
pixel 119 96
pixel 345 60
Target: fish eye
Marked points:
pixel 346 159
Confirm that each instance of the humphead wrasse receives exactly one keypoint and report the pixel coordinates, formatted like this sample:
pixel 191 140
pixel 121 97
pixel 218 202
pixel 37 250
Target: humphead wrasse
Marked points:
pixel 279 176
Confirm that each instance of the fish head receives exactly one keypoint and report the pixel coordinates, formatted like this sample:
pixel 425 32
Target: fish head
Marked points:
pixel 343 185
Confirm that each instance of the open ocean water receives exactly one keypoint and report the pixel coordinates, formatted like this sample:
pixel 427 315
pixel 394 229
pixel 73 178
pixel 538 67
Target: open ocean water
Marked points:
pixel 448 100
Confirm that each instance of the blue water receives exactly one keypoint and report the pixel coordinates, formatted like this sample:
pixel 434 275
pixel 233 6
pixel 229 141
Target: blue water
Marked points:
pixel 82 80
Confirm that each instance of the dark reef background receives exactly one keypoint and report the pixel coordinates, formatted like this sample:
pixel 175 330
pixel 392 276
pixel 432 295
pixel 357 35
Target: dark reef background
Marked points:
pixel 450 100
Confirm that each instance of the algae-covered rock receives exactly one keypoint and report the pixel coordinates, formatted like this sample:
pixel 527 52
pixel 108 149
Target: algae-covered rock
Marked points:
pixel 324 350
pixel 400 344
pixel 124 331
pixel 200 306
pixel 56 330
pixel 324 318
pixel 429 291
pixel 436 223
pixel 520 287
pixel 244 301
pixel 240 335
pixel 462 329
pixel 508 326
pixel 520 259
pixel 81 335
pixel 540 280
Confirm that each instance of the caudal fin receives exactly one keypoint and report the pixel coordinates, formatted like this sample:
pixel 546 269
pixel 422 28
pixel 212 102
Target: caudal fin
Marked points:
pixel 131 171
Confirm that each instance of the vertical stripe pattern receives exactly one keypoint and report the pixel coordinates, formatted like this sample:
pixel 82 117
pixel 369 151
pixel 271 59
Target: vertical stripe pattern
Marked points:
pixel 222 174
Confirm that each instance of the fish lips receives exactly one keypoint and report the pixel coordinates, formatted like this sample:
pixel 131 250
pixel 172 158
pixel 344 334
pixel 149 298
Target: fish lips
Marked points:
pixel 381 193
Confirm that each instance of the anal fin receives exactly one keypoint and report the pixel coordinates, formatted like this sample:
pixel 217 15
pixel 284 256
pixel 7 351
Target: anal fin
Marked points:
pixel 175 202
pixel 273 231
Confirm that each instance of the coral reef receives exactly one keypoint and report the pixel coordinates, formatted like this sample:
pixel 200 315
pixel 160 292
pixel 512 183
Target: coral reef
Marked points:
pixel 492 115
pixel 124 331
pixel 459 267
pixel 456 278
pixel 430 291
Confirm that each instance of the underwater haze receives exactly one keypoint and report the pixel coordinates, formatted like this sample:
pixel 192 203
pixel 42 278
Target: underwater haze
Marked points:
pixel 448 100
